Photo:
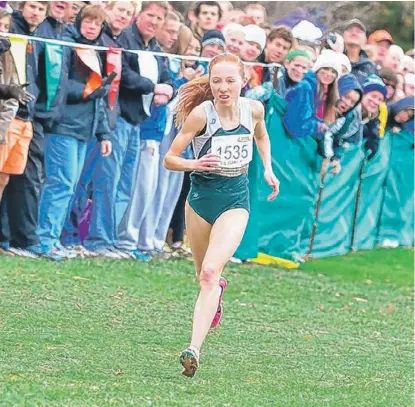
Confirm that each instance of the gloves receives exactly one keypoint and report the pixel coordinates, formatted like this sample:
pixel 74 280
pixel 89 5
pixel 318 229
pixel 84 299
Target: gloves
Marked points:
pixel 103 90
pixel 372 145
pixel 5 45
pixel 17 92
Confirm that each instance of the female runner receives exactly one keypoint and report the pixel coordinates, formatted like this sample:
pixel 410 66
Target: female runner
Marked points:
pixel 221 126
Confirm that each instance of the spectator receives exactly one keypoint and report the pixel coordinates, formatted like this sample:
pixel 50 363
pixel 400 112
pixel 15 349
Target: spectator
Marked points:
pixel 278 44
pixel 407 65
pixel 293 71
pixel 20 200
pixel 11 94
pixel 400 87
pixel 400 113
pixel 168 34
pixel 58 9
pixel 257 12
pixel 5 21
pixel 141 78
pixel 311 104
pixel 266 27
pixel 255 40
pixel 84 117
pixel 207 14
pixel 72 11
pixel 409 88
pixel 119 17
pixel 374 113
pixel 393 58
pixel 347 127
pixel 371 52
pixel 311 51
pixel 184 40
pixel 390 79
pixel 234 38
pixel 345 64
pixel 383 40
pixel 354 36
pixel 232 16
pixel 213 43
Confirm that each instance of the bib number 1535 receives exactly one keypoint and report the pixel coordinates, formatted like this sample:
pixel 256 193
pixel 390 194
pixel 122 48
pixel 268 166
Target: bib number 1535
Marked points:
pixel 234 151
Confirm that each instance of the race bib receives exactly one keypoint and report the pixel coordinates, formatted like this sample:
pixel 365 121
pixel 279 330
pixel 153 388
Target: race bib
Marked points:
pixel 234 151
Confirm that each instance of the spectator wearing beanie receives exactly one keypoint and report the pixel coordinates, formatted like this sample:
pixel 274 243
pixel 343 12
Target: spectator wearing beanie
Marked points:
pixel 383 41
pixel 311 104
pixel 354 36
pixel 401 114
pixel 348 124
pixel 374 113
pixel 393 58
pixel 255 40
pixel 213 43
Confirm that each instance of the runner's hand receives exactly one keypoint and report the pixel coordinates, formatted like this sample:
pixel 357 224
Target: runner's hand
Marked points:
pixel 207 163
pixel 273 182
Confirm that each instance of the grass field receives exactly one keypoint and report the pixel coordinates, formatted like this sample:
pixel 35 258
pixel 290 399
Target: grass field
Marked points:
pixel 337 333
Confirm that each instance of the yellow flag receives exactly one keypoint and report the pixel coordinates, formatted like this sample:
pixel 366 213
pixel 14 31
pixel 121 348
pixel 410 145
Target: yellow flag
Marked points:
pixel 19 52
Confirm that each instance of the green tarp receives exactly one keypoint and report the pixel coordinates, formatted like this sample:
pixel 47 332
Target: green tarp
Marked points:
pixel 397 216
pixel 283 227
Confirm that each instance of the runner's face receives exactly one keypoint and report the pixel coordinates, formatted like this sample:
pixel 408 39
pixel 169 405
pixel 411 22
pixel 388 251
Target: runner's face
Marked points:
pixel 226 83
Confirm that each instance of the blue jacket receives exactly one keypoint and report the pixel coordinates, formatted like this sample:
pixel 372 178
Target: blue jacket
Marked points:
pixel 395 108
pixel 52 29
pixel 108 39
pixel 20 26
pixel 348 127
pixel 362 68
pixel 81 118
pixel 133 85
pixel 300 119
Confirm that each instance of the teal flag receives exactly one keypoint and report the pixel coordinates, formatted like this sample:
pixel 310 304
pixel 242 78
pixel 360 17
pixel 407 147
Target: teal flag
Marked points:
pixel 53 65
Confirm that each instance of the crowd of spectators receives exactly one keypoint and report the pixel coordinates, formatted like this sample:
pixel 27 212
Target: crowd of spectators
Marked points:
pixel 81 174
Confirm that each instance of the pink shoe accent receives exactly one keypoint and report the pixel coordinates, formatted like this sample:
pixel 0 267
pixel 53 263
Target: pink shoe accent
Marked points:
pixel 219 313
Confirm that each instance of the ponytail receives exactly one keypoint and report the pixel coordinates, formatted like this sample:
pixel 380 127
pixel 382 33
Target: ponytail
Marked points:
pixel 192 94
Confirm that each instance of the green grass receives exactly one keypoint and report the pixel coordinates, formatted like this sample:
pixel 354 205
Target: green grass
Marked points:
pixel 339 332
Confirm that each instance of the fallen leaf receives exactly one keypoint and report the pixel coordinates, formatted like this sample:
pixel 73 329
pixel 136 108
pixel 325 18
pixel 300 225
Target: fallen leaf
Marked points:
pixel 358 299
pixel 308 338
pixel 79 278
pixel 390 308
pixel 321 307
pixel 369 282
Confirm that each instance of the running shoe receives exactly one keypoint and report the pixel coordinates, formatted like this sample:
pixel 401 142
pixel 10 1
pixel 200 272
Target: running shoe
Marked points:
pixel 189 359
pixel 219 313
pixel 138 255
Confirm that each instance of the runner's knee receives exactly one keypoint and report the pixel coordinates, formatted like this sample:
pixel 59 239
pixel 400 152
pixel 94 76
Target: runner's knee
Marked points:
pixel 209 276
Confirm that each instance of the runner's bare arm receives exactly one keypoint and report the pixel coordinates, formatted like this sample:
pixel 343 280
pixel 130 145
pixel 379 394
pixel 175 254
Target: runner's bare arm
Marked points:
pixel 261 134
pixel 194 123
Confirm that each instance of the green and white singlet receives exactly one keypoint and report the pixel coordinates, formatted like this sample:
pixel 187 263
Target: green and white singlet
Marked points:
pixel 213 193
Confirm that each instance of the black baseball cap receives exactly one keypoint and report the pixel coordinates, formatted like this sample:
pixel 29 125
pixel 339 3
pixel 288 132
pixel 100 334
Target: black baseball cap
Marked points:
pixel 355 21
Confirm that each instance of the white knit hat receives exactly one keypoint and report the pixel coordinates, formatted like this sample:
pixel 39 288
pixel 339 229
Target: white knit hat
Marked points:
pixel 408 63
pixel 328 59
pixel 344 61
pixel 255 34
pixel 306 31
pixel 409 78
pixel 233 28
